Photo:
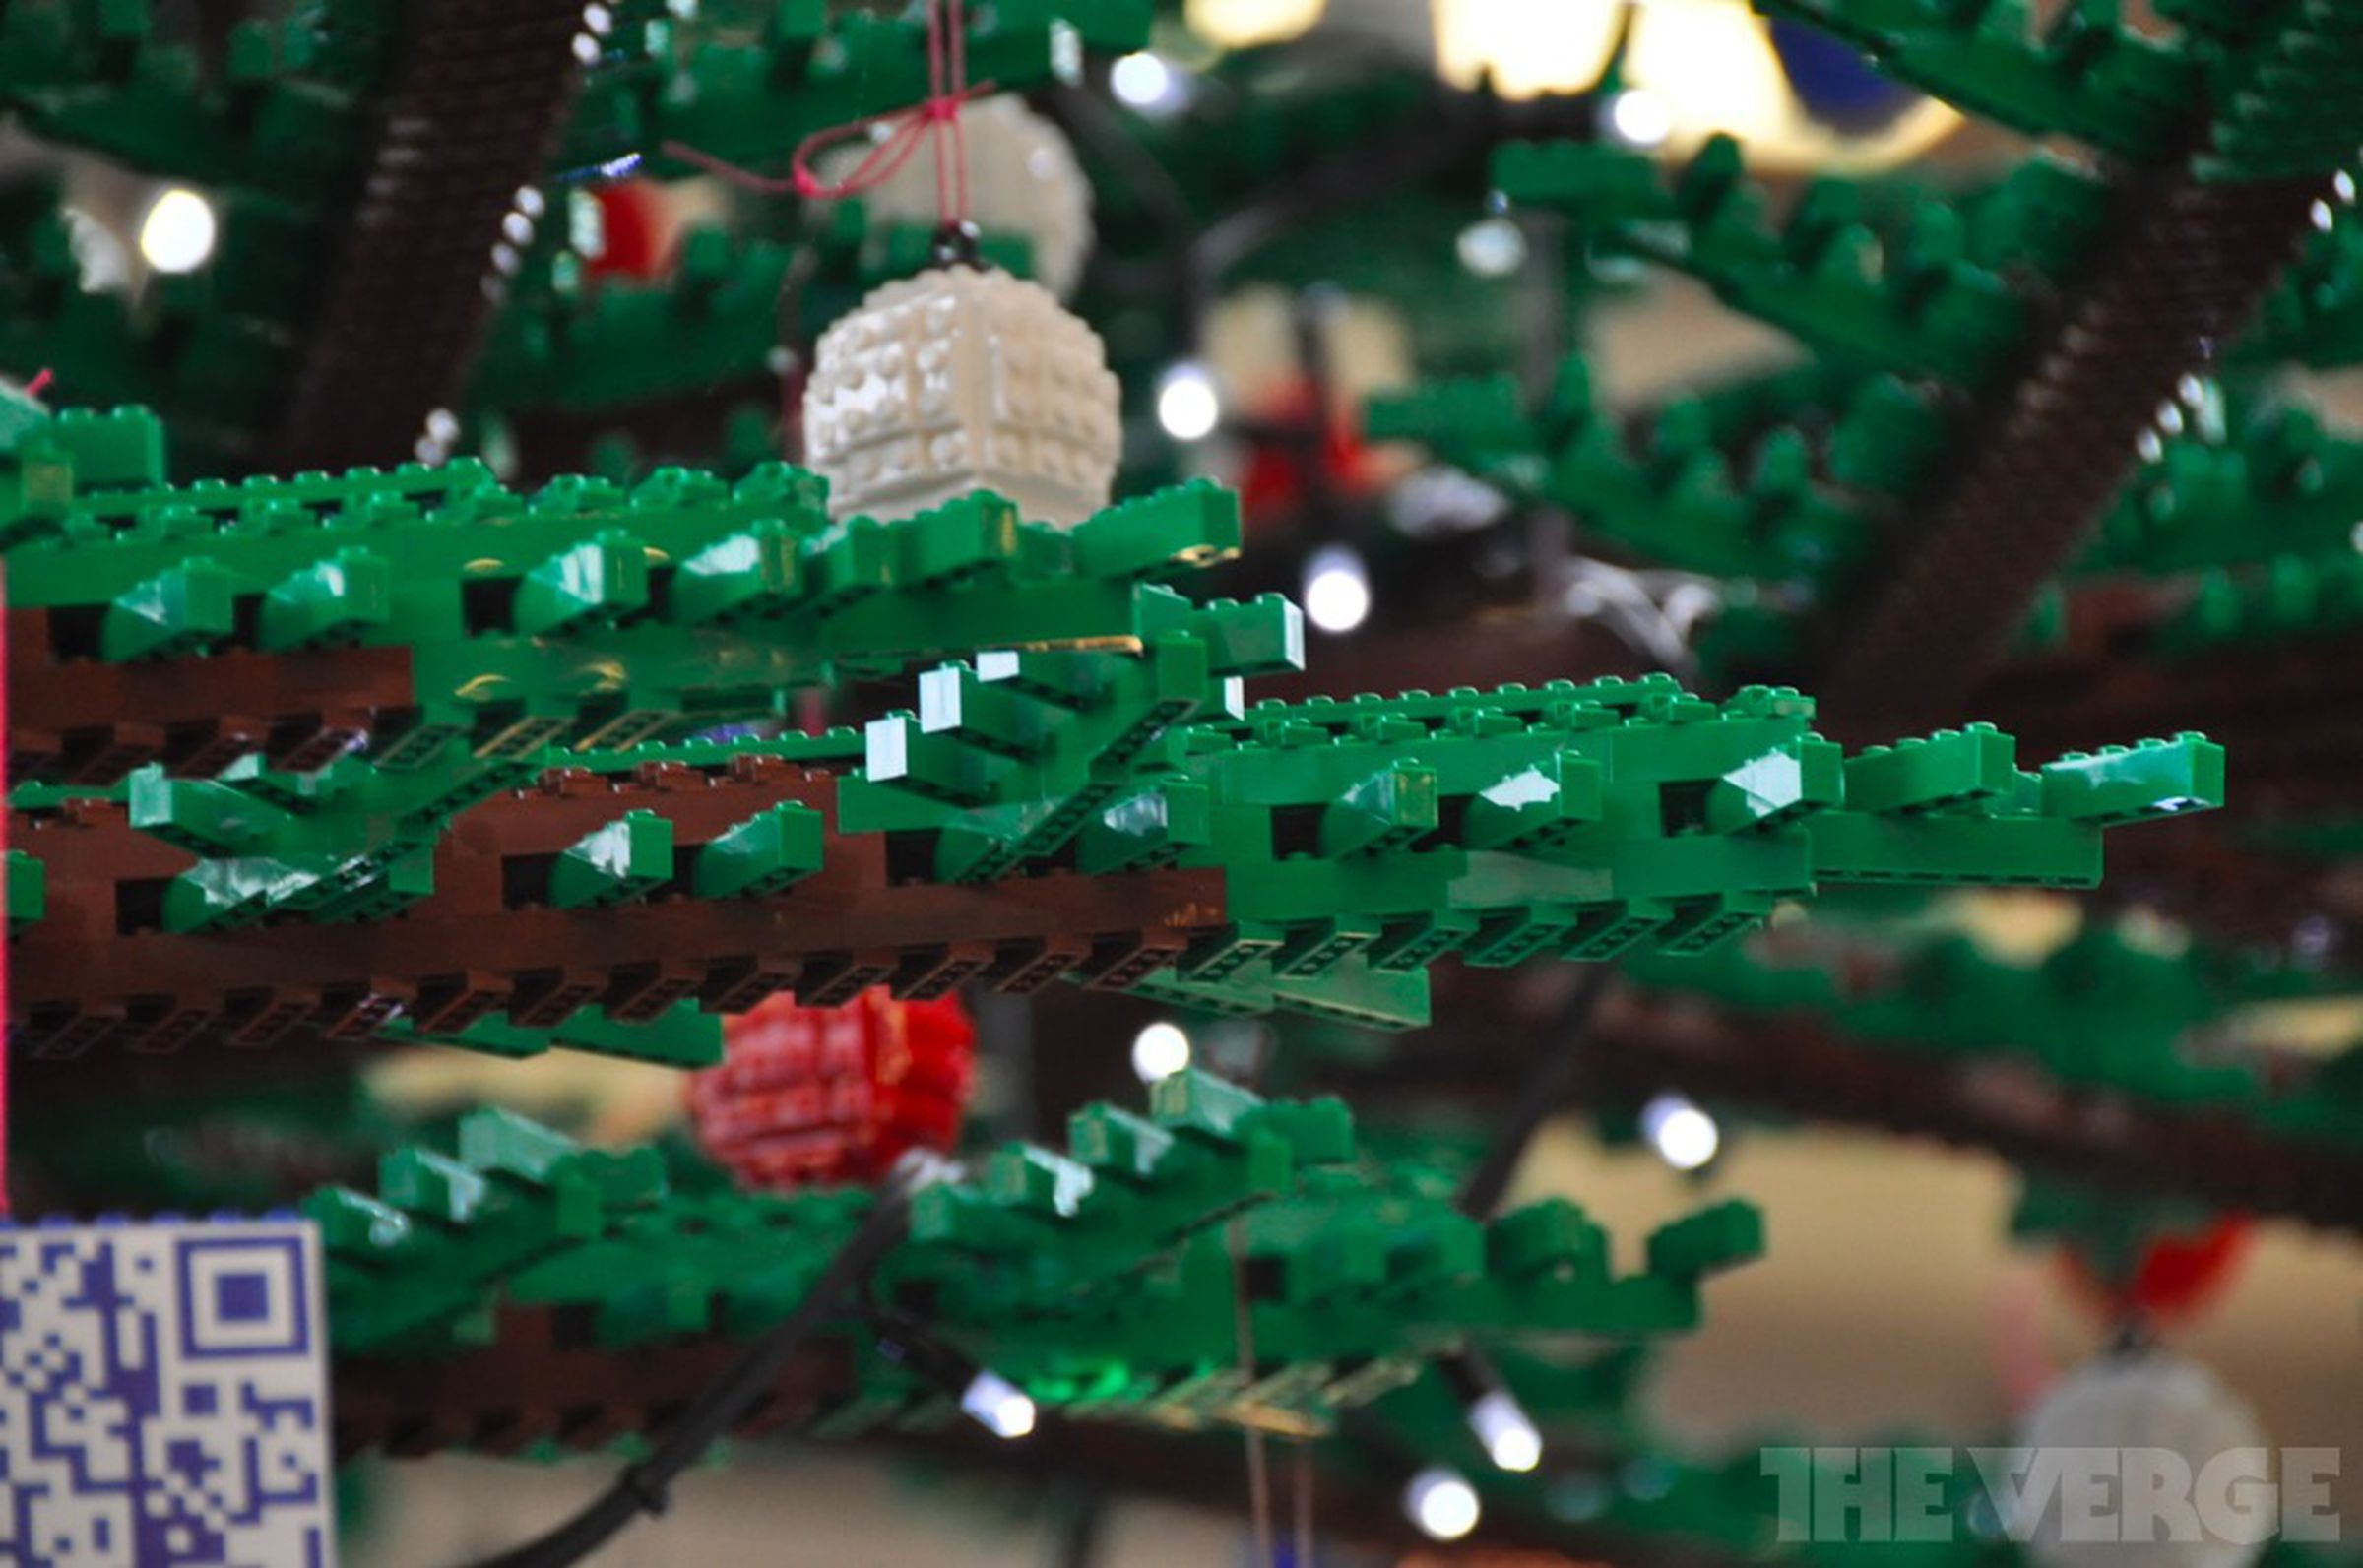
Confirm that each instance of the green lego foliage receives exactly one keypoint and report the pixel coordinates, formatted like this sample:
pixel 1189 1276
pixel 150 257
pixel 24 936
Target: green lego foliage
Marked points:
pixel 1358 842
pixel 2100 1013
pixel 2316 316
pixel 1104 1281
pixel 1910 299
pixel 585 611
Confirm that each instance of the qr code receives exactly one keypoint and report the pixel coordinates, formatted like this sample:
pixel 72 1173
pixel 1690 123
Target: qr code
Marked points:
pixel 164 1396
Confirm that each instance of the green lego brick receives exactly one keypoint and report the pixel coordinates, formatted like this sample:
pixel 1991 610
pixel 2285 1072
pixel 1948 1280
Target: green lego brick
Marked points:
pixel 183 608
pixel 680 1038
pixel 2315 316
pixel 2278 485
pixel 766 854
pixel 28 899
pixel 628 859
pixel 1674 491
pixel 597 614
pixel 1106 1280
pixel 2102 1011
pixel 1910 299
pixel 1358 842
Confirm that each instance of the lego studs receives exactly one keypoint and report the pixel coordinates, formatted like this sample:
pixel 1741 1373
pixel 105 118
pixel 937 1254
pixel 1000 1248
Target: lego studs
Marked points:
pixel 963 379
pixel 810 1095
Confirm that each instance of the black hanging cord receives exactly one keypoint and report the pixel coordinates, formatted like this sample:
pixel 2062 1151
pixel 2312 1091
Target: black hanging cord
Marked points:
pixel 1550 1079
pixel 642 1487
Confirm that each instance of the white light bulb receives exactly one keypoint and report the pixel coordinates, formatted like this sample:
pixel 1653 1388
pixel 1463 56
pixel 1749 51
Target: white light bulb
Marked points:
pixel 1508 1436
pixel 1640 118
pixel 1160 1050
pixel 1492 247
pixel 998 1405
pixel 1441 1503
pixel 178 232
pixel 1684 1136
pixel 1145 81
pixel 1187 405
pixel 1337 589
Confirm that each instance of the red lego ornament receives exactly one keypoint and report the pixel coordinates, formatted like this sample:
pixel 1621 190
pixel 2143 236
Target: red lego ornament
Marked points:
pixel 2176 1277
pixel 1273 482
pixel 808 1095
pixel 631 222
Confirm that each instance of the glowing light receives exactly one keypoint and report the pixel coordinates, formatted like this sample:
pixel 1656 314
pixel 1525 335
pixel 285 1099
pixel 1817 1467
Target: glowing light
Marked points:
pixel 1145 82
pixel 1508 1436
pixel 998 1406
pixel 1441 1503
pixel 1684 1136
pixel 178 232
pixel 1337 590
pixel 1527 47
pixel 1492 247
pixel 1710 67
pixel 1640 118
pixel 1160 1050
pixel 1187 405
pixel 1245 24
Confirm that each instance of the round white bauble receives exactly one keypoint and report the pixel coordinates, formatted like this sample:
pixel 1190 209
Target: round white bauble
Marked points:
pixel 2152 1412
pixel 963 379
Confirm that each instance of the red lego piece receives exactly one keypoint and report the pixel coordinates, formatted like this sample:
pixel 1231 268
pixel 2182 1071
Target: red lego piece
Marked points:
pixel 813 1095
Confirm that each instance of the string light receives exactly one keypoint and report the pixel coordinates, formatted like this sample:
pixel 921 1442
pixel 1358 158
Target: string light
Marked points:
pixel 1684 1136
pixel 1145 82
pixel 1187 405
pixel 1160 1050
pixel 177 233
pixel 1441 1503
pixel 1507 1432
pixel 1337 589
pixel 1492 247
pixel 998 1405
pixel 1638 117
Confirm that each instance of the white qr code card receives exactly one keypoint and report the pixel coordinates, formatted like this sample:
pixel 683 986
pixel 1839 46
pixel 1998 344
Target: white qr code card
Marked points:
pixel 164 1396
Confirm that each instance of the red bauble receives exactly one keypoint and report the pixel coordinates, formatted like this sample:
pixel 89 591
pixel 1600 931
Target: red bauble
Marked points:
pixel 1273 482
pixel 808 1095
pixel 631 221
pixel 2177 1275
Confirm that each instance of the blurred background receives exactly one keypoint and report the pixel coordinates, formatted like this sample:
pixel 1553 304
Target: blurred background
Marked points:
pixel 1281 218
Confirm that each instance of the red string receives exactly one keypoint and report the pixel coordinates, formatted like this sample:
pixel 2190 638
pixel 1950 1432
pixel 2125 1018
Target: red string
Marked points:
pixel 935 117
pixel 40 382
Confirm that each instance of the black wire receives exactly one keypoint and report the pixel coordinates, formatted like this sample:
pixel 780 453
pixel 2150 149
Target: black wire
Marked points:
pixel 642 1487
pixel 1550 1079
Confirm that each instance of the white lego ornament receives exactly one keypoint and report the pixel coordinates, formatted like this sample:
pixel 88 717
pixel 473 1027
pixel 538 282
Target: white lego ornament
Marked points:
pixel 2158 1426
pixel 1023 178
pixel 962 379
